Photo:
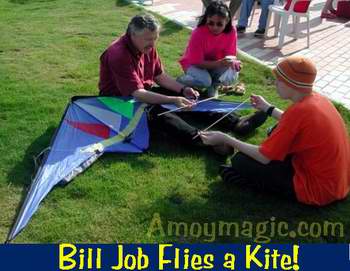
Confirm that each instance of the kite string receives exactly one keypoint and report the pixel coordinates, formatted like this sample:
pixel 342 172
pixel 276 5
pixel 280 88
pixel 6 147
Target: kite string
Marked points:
pixel 224 116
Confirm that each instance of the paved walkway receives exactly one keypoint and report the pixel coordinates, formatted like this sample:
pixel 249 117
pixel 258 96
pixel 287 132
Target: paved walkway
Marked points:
pixel 329 44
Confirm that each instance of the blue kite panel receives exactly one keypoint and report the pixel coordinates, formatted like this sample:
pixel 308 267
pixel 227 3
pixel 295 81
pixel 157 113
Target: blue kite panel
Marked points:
pixel 68 138
pixel 214 106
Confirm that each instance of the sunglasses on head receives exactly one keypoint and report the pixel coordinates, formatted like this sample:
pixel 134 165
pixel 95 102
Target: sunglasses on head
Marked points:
pixel 218 24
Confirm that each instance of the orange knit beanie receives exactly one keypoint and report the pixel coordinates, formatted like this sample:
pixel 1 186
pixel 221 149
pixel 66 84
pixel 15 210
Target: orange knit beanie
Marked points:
pixel 298 72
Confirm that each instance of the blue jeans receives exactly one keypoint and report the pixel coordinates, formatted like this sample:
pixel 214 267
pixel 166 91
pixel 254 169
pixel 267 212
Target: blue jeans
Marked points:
pixel 246 9
pixel 196 77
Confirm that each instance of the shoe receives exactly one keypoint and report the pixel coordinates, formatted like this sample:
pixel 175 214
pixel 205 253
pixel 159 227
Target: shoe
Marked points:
pixel 240 29
pixel 326 15
pixel 259 33
pixel 248 124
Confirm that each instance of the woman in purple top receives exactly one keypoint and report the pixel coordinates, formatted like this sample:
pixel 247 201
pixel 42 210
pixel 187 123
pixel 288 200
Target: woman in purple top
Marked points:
pixel 211 50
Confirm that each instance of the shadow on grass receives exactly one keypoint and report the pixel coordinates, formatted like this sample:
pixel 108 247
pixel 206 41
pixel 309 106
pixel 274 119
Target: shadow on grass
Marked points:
pixel 254 217
pixel 170 28
pixel 23 172
pixel 166 146
pixel 122 3
pixel 132 159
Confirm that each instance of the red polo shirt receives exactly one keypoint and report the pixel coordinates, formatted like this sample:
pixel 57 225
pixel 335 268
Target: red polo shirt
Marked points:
pixel 123 69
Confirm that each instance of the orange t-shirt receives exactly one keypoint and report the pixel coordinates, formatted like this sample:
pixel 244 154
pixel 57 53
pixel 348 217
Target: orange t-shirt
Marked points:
pixel 314 133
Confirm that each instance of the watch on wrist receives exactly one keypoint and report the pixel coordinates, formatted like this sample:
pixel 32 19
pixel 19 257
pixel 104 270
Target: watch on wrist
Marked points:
pixel 270 110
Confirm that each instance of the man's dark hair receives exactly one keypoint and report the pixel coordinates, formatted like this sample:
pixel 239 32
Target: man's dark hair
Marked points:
pixel 220 9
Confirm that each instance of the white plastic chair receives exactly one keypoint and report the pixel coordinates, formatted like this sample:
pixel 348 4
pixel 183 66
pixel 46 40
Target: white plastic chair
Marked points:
pixel 281 18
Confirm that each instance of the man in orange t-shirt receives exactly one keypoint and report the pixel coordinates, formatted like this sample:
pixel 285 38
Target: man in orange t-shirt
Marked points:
pixel 307 156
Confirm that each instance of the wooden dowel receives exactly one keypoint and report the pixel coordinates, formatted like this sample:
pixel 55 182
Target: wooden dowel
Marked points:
pixel 201 101
pixel 220 119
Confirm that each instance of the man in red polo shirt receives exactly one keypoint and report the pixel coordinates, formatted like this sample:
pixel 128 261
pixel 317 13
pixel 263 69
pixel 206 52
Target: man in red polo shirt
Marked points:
pixel 130 66
pixel 307 156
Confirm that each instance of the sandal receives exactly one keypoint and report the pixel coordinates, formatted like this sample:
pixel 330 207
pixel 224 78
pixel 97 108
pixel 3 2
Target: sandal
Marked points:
pixel 225 89
pixel 237 89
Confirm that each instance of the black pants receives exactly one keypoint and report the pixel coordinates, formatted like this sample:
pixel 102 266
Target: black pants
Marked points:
pixel 275 177
pixel 176 126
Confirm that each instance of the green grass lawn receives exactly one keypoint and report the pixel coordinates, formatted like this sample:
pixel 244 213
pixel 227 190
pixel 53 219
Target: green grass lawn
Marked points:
pixel 49 52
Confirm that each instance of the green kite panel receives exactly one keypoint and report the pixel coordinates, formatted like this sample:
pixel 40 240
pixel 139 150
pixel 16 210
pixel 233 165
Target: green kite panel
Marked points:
pixel 125 108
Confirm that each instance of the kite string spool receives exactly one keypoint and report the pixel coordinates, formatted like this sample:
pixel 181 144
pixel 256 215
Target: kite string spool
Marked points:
pixel 220 119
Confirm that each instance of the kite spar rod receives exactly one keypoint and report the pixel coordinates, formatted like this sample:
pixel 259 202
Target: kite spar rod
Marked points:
pixel 182 107
pixel 220 119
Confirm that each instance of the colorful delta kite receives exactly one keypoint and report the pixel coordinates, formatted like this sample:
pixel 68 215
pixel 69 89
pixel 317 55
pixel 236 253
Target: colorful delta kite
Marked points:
pixel 90 127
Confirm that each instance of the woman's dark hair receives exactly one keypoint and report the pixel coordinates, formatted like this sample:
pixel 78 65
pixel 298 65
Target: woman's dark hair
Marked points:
pixel 220 9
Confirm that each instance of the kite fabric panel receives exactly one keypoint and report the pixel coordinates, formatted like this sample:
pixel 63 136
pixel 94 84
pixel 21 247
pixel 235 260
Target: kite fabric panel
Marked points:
pixel 90 127
pixel 214 106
